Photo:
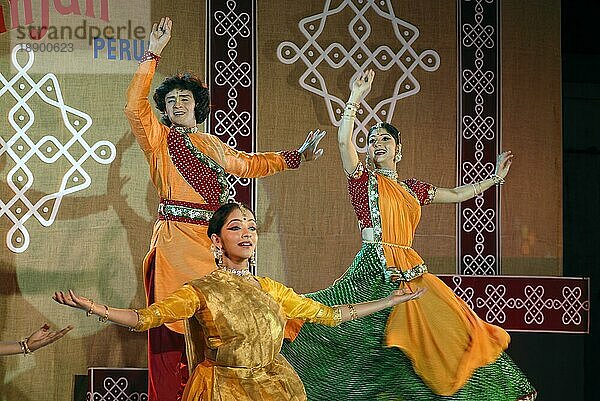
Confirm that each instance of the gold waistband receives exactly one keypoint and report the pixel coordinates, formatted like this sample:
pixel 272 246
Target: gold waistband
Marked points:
pixel 243 372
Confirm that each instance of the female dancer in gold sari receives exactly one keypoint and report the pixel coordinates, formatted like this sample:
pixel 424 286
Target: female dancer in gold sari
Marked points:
pixel 234 320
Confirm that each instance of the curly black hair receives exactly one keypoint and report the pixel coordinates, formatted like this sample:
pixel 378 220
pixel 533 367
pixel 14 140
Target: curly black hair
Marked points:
pixel 393 131
pixel 187 81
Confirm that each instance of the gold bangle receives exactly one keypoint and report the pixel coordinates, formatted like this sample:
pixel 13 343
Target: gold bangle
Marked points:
pixel 104 318
pixel 90 312
pixel 352 310
pixel 25 347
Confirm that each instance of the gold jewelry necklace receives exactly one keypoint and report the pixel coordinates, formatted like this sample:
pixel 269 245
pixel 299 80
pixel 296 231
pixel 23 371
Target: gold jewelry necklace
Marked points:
pixel 387 172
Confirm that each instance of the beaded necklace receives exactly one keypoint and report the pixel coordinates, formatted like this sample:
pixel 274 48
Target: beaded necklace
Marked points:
pixel 240 273
pixel 389 173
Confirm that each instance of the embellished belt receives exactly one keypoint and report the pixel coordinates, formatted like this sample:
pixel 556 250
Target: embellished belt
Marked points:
pixel 187 212
pixel 365 241
pixel 395 274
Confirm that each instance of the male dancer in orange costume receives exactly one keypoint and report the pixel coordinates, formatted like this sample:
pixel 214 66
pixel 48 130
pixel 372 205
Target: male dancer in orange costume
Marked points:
pixel 188 169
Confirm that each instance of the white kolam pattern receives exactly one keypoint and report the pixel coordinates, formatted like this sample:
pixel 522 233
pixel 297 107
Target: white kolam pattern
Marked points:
pixel 17 145
pixel 398 56
pixel 552 304
pixel 481 133
pixel 233 73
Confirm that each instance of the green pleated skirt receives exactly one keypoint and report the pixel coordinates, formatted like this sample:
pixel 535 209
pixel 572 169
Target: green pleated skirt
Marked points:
pixel 351 362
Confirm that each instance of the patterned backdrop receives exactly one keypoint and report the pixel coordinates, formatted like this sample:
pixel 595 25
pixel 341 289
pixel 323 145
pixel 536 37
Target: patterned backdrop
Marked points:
pixel 77 206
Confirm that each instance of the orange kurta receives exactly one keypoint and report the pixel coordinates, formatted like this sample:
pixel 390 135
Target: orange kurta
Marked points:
pixel 180 251
pixel 235 332
pixel 443 337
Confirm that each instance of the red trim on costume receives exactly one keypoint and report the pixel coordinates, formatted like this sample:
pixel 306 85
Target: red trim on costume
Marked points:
pixel 292 158
pixel 359 197
pixel 148 55
pixel 201 177
pixel 424 191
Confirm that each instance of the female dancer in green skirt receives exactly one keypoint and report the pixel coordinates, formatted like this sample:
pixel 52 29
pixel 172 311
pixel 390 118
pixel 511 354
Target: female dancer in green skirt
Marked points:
pixel 434 349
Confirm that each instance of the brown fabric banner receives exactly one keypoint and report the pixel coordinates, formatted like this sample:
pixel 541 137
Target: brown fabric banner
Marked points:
pixel 77 206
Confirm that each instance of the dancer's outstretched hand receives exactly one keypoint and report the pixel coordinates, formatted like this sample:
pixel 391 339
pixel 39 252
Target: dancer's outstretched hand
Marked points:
pixel 503 163
pixel 310 148
pixel 44 336
pixel 160 35
pixel 362 85
pixel 72 300
pixel 401 295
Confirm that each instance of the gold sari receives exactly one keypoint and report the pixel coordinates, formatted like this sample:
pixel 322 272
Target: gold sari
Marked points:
pixel 234 334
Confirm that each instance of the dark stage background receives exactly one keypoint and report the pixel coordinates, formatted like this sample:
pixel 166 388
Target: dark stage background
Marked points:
pixel 565 367
pixel 581 196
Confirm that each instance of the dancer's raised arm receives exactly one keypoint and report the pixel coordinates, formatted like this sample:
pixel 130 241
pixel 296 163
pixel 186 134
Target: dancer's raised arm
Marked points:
pixel 468 191
pixel 360 87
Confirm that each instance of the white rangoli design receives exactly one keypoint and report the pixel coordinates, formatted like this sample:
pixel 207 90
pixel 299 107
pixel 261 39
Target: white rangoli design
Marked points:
pixel 321 53
pixel 19 145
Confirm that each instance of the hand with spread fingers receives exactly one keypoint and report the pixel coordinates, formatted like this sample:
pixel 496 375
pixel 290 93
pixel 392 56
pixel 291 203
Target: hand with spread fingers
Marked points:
pixel 71 299
pixel 160 35
pixel 36 340
pixel 44 336
pixel 404 295
pixel 362 85
pixel 310 148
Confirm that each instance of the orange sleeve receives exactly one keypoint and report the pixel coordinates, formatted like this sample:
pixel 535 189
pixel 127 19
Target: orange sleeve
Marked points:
pixel 147 129
pixel 254 165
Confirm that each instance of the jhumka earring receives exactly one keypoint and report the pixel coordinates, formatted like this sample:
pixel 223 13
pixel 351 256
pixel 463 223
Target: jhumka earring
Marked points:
pixel 218 254
pixel 252 262
pixel 398 156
